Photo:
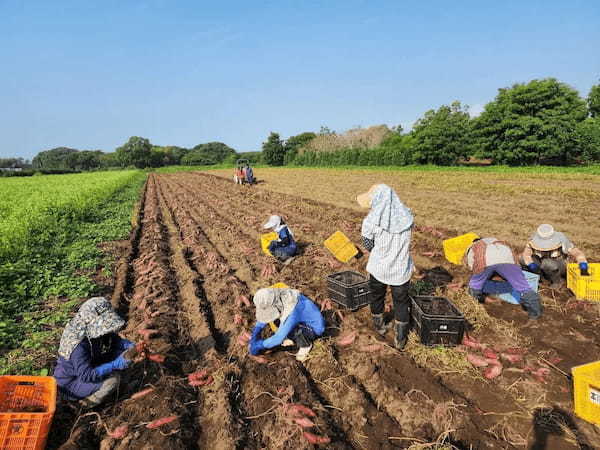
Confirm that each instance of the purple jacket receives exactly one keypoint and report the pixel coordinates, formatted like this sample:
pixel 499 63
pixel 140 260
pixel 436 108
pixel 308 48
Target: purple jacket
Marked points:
pixel 77 377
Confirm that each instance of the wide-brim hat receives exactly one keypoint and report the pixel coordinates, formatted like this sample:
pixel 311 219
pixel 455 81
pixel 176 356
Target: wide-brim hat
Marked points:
pixel 364 200
pixel 272 222
pixel 545 238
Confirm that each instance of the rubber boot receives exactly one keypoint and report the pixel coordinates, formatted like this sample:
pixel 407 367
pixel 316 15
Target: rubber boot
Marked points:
pixel 379 324
pixel 477 295
pixel 532 304
pixel 401 338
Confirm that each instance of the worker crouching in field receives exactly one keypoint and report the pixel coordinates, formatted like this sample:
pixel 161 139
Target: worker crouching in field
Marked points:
pixel 284 248
pixel 386 233
pixel 547 252
pixel 300 321
pixel 91 353
pixel 488 257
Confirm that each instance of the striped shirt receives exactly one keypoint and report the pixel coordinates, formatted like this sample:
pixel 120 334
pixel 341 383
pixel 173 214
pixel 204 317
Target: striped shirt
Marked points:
pixel 390 261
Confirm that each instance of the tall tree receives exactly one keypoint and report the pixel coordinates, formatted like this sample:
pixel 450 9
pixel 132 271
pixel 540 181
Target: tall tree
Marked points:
pixel 135 152
pixel 55 158
pixel 531 123
pixel 294 143
pixel 589 139
pixel 594 101
pixel 273 150
pixel 442 137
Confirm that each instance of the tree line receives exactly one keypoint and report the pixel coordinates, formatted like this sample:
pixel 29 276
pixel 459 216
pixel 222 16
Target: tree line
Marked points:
pixel 540 122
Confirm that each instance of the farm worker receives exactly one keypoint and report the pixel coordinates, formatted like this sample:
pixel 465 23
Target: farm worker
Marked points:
pixel 386 234
pixel 547 252
pixel 300 320
pixel 249 174
pixel 284 247
pixel 487 257
pixel 91 353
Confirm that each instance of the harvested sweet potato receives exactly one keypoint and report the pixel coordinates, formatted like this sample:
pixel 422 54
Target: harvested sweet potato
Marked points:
pixel 476 360
pixel 160 422
pixel 146 333
pixel 142 393
pixel 512 358
pixel 304 422
pixel 347 339
pixel 296 409
pixel 156 357
pixel 202 382
pixel 120 432
pixel 493 371
pixel 490 354
pixel 315 439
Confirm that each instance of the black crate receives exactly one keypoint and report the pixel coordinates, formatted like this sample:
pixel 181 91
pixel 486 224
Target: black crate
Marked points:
pixel 349 289
pixel 437 321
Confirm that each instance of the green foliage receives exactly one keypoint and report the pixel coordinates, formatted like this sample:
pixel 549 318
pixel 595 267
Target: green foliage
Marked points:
pixel 14 163
pixel 442 137
pixel 84 160
pixel 208 154
pixel 296 142
pixel 49 236
pixel 588 133
pixel 254 157
pixel 136 152
pixel 55 158
pixel 531 123
pixel 593 101
pixel 273 150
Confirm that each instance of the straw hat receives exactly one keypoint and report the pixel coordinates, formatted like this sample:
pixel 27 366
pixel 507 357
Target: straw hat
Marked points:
pixel 364 200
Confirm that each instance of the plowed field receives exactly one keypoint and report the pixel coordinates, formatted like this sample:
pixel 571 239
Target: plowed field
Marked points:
pixel 194 263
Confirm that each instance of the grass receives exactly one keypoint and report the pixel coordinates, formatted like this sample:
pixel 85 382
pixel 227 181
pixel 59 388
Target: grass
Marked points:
pixel 50 253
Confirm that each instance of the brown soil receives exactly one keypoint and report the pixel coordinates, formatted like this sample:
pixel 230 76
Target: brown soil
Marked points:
pixel 196 254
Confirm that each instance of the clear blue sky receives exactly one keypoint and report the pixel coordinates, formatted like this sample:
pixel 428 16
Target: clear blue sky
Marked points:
pixel 89 74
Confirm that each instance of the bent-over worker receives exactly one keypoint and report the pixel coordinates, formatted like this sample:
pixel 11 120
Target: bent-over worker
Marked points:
pixel 91 353
pixel 487 257
pixel 386 234
pixel 284 247
pixel 547 252
pixel 300 320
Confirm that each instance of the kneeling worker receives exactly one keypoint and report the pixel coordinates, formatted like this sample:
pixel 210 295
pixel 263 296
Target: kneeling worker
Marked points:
pixel 91 353
pixel 300 320
pixel 283 248
pixel 488 257
pixel 547 252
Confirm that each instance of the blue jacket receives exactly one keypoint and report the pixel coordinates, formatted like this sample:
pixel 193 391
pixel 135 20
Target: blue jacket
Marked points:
pixel 286 242
pixel 77 377
pixel 305 312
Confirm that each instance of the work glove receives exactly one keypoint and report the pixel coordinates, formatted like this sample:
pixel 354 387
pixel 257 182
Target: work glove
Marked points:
pixel 256 346
pixel 119 363
pixel 533 267
pixel 584 269
pixel 125 344
pixel 256 331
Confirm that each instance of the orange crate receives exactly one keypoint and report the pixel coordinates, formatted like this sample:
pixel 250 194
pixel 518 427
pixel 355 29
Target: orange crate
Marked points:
pixel 27 405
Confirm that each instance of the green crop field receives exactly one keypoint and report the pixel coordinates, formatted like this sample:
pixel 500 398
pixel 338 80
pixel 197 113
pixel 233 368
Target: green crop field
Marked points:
pixel 50 228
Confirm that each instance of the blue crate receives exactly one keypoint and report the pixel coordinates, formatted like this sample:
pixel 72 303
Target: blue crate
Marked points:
pixel 503 290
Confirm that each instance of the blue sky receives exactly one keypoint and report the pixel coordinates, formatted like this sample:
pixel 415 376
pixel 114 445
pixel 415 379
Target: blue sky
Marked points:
pixel 89 74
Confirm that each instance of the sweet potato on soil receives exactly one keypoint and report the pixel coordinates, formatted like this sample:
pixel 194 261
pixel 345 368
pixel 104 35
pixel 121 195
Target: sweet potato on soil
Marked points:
pixel 469 341
pixel 298 410
pixel 476 360
pixel 259 359
pixel 142 393
pixel 237 319
pixel 512 358
pixel 244 338
pixel 120 432
pixel 315 439
pixel 156 357
pixel 242 300
pixel 490 354
pixel 347 339
pixel 304 422
pixel 372 348
pixel 493 371
pixel 160 422
pixel 203 382
pixel 147 333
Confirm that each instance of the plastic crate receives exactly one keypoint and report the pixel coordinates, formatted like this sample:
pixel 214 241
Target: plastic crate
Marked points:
pixel 341 247
pixel 27 405
pixel 584 288
pixel 437 321
pixel 586 390
pixel 265 240
pixel 455 248
pixel 349 289
pixel 514 297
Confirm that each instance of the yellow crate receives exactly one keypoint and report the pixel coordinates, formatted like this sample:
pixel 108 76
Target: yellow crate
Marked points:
pixel 586 389
pixel 584 288
pixel 341 247
pixel 455 248
pixel 265 240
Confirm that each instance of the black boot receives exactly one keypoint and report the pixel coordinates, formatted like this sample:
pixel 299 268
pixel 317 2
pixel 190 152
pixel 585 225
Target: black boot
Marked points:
pixel 379 324
pixel 477 295
pixel 402 329
pixel 532 304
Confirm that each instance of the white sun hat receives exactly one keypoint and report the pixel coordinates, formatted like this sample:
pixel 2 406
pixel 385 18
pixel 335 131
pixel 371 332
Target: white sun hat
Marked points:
pixel 273 222
pixel 545 238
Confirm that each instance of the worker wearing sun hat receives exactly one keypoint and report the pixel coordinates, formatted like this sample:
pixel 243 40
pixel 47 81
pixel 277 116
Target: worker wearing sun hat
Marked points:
pixel 386 233
pixel 300 320
pixel 284 247
pixel 547 252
